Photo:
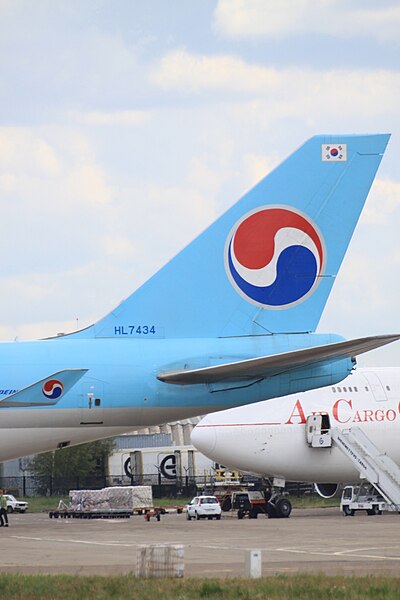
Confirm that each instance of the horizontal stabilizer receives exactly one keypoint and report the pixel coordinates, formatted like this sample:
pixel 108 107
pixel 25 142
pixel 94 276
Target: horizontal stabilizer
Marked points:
pixel 268 366
pixel 45 392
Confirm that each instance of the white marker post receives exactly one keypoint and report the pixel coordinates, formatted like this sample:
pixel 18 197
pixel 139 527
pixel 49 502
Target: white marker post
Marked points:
pixel 252 564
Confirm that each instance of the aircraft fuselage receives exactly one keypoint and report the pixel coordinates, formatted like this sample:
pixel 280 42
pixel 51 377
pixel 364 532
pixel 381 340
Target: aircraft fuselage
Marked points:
pixel 270 438
pixel 120 390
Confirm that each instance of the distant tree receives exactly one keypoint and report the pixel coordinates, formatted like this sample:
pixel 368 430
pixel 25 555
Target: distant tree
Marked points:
pixel 67 465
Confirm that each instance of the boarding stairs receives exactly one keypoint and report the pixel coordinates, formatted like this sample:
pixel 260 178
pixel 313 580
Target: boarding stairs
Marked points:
pixel 375 466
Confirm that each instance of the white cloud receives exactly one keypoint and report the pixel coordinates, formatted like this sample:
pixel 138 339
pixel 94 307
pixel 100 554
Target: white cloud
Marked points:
pixel 383 201
pixel 130 118
pixel 36 331
pixel 258 166
pixel 191 73
pixel 119 248
pixel 271 19
pixel 281 94
pixel 88 183
pixel 8 182
pixel 22 147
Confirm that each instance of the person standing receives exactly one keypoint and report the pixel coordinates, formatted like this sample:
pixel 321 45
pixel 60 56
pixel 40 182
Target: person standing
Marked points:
pixel 3 509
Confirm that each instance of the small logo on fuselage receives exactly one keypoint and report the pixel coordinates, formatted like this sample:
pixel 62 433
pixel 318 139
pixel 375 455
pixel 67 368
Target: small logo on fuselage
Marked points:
pixel 53 389
pixel 274 256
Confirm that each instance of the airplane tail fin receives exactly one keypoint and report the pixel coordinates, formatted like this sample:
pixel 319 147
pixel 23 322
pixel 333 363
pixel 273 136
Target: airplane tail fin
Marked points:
pixel 268 264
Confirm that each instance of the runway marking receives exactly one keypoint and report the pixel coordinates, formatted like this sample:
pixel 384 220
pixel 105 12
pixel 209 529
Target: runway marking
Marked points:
pixel 38 539
pixel 64 540
pixel 345 553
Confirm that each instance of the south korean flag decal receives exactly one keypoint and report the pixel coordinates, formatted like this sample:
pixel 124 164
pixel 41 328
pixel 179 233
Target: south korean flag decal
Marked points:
pixel 334 152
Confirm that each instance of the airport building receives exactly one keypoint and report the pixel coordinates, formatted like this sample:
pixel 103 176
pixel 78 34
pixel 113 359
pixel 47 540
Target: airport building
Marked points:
pixel 161 456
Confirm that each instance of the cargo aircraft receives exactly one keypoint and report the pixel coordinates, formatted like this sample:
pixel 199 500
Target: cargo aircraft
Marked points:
pixel 228 321
pixel 272 438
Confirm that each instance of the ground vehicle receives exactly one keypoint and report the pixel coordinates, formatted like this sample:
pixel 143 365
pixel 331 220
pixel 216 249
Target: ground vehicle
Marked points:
pixel 14 505
pixel 254 503
pixel 202 507
pixel 362 497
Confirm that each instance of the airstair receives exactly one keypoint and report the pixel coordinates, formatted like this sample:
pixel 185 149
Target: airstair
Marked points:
pixel 375 466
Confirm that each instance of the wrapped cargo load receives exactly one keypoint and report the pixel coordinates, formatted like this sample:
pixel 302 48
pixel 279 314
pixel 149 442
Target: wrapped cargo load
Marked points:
pixel 118 498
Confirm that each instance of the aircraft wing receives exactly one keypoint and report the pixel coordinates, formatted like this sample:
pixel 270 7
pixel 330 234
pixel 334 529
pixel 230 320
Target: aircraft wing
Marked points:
pixel 268 366
pixel 45 392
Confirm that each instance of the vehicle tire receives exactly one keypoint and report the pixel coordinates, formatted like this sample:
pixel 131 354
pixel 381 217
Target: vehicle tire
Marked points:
pixel 253 514
pixel 283 508
pixel 240 514
pixel 10 509
pixel 271 511
pixel 227 504
pixel 188 517
pixel 347 511
pixel 375 510
pixel 198 517
pixel 209 518
pixel 218 517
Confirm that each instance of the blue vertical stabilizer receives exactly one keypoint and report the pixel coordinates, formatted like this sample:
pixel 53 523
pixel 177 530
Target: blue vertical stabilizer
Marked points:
pixel 268 264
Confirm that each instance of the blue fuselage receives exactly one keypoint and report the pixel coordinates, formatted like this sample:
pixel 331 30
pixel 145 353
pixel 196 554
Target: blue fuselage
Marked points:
pixel 121 386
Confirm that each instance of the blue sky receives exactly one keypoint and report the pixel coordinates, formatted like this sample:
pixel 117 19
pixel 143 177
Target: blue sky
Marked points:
pixel 127 127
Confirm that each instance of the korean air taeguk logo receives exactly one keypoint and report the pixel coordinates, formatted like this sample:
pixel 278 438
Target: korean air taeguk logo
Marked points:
pixel 274 256
pixel 53 389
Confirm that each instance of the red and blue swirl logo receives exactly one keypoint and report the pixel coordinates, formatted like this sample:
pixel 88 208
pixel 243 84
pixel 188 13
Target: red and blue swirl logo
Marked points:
pixel 274 256
pixel 53 389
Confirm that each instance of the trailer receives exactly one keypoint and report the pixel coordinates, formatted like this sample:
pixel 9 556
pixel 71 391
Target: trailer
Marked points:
pixel 67 511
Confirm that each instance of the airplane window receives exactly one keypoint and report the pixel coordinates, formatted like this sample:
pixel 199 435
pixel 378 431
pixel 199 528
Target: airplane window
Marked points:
pixel 350 389
pixel 355 389
pixel 339 389
pixel 97 402
pixel 366 389
pixel 388 388
pixel 333 390
pixel 345 389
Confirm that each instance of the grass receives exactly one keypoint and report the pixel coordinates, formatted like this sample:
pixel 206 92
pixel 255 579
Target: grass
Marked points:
pixel 279 587
pixel 314 502
pixel 46 503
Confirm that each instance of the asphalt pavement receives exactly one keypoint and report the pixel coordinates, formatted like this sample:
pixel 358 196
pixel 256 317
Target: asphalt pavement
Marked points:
pixel 311 540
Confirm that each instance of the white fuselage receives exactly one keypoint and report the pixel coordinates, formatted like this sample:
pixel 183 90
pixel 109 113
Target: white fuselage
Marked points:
pixel 269 438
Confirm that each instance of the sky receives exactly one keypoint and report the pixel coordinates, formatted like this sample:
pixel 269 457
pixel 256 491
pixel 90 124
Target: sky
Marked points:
pixel 127 127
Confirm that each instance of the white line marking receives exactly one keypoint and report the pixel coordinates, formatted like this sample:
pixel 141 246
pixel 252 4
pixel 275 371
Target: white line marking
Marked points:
pixel 38 539
pixel 344 553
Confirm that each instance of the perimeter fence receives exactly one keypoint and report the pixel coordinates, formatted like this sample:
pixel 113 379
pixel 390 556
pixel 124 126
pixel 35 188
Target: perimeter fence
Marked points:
pixel 186 486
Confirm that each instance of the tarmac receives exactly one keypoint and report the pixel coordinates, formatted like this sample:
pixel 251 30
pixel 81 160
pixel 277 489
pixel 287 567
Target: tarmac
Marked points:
pixel 311 540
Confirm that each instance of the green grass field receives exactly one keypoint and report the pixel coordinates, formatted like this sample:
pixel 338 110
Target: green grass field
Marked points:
pixel 301 587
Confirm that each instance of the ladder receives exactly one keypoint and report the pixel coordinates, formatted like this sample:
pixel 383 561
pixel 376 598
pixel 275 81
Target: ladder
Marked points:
pixel 375 466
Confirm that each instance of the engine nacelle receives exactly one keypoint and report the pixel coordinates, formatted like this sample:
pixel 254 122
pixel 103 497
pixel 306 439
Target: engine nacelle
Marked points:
pixel 326 490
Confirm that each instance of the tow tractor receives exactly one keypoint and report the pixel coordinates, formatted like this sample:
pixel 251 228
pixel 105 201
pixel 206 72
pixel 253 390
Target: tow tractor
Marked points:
pixel 252 503
pixel 363 497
